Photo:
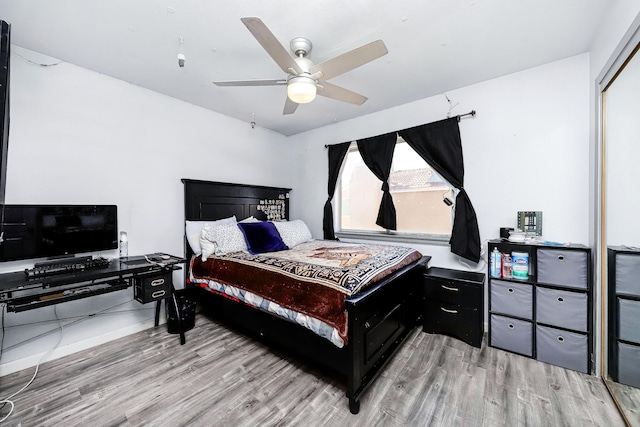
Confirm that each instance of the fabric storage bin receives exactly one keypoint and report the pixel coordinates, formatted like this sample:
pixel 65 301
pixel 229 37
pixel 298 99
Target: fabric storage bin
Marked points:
pixel 627 279
pixel 512 334
pixel 563 267
pixel 629 320
pixel 628 364
pixel 515 299
pixel 562 348
pixel 562 308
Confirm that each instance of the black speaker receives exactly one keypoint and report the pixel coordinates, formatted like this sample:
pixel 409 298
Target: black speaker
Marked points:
pixel 187 309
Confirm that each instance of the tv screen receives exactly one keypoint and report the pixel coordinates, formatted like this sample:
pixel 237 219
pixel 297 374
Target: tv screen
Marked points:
pixel 45 231
pixel 5 47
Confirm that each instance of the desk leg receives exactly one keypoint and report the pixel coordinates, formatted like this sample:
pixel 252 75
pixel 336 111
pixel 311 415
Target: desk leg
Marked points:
pixel 174 300
pixel 158 304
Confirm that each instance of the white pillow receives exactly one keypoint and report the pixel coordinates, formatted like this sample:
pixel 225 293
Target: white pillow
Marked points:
pixel 293 232
pixel 193 230
pixel 221 240
pixel 250 219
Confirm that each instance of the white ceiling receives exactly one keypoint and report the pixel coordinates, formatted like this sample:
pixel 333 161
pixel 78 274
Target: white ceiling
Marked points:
pixel 434 46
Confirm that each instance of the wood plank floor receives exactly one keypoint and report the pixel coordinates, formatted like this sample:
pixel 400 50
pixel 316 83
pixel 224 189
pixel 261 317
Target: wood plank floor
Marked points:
pixel 629 400
pixel 222 378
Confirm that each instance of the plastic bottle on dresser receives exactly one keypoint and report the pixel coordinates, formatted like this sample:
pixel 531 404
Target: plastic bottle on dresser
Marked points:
pixel 507 266
pixel 124 245
pixel 496 263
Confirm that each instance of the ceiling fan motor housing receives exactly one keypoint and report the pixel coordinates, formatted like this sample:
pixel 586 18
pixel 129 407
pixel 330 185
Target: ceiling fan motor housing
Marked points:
pixel 300 46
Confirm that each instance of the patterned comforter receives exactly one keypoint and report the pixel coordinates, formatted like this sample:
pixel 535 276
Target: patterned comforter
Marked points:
pixel 313 279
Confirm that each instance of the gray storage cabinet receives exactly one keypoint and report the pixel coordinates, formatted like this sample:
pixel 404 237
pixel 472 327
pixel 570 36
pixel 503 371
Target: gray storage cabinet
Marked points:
pixel 624 315
pixel 546 316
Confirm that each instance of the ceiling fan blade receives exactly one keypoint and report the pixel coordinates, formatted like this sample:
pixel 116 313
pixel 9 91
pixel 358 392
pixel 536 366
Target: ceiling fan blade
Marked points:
pixel 348 61
pixel 271 44
pixel 290 106
pixel 275 82
pixel 341 94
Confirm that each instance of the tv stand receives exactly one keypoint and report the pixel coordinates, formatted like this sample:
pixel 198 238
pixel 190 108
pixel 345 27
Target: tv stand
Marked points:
pixel 151 281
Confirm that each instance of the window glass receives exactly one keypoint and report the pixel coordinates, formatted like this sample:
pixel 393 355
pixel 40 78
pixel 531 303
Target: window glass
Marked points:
pixel 417 191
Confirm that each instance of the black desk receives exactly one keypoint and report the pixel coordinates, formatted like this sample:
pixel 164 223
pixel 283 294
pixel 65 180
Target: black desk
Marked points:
pixel 20 293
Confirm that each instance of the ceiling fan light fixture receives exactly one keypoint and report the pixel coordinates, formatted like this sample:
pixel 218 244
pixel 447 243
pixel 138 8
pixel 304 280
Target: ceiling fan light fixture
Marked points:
pixel 301 89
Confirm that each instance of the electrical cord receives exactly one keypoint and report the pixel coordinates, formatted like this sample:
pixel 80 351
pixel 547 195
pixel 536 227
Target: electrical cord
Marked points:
pixel 482 263
pixel 7 400
pixel 37 63
pixel 150 261
pixel 2 308
pixel 77 319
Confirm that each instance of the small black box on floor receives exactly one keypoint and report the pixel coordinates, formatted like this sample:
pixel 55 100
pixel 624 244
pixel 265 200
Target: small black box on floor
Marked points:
pixel 153 287
pixel 187 308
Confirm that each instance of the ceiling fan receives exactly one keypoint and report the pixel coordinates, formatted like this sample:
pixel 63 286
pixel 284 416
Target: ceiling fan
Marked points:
pixel 305 78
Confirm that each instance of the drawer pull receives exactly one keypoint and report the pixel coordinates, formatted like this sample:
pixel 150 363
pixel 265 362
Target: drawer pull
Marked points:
pixel 560 299
pixel 449 288
pixel 510 290
pixel 560 339
pixel 158 294
pixel 560 257
pixel 449 311
pixel 157 282
pixel 510 326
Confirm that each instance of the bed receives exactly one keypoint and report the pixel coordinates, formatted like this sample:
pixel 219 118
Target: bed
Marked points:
pixel 375 318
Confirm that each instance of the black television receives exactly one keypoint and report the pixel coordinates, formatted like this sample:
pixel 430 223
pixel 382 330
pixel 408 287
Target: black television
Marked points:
pixel 52 231
pixel 5 48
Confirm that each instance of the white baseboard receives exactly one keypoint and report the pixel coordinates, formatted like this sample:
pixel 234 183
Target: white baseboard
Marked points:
pixel 32 361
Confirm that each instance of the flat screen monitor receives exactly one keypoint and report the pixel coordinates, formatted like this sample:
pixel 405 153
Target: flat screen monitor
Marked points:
pixel 48 231
pixel 5 55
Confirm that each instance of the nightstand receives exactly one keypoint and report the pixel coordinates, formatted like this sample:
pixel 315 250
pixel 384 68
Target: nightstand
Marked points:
pixel 454 304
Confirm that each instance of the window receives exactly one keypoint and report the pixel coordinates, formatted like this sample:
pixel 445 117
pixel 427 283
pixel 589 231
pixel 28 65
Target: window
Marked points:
pixel 417 191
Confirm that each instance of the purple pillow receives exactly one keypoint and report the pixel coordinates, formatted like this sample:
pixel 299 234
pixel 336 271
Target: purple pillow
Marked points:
pixel 262 237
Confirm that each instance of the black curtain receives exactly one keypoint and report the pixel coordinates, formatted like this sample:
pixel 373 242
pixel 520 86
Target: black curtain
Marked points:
pixel 377 153
pixel 336 157
pixel 439 144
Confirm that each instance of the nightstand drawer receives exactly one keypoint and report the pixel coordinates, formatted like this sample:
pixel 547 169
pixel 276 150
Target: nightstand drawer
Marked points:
pixel 152 288
pixel 451 292
pixel 460 322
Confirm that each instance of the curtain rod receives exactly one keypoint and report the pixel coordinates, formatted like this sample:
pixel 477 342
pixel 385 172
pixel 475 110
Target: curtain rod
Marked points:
pixel 471 113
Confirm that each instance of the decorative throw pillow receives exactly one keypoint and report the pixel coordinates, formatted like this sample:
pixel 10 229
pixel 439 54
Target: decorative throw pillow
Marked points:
pixel 293 232
pixel 262 237
pixel 193 230
pixel 221 240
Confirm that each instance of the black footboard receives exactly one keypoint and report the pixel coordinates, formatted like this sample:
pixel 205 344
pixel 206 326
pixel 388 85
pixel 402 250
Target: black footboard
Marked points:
pixel 379 321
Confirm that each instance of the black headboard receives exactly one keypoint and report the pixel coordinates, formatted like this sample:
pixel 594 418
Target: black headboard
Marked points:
pixel 205 200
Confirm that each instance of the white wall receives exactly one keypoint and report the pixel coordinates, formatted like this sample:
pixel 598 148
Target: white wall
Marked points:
pixel 526 149
pixel 81 137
